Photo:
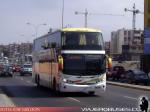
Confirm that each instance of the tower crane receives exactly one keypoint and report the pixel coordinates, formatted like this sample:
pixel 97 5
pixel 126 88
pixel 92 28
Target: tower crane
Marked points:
pixel 86 13
pixel 134 11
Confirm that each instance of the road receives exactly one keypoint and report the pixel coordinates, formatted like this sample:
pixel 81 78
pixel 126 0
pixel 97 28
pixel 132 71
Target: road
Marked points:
pixel 22 92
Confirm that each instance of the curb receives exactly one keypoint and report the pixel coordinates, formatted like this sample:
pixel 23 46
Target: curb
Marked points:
pixel 5 101
pixel 139 87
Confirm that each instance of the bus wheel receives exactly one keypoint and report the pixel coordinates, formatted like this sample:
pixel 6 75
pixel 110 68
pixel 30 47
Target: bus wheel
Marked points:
pixel 35 79
pixel 91 93
pixel 54 84
pixel 38 80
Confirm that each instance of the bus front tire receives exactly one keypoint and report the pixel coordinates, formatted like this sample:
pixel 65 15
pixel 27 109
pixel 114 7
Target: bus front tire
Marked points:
pixel 37 80
pixel 54 84
pixel 91 93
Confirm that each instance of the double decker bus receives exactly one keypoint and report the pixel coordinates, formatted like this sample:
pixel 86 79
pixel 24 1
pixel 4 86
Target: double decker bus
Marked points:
pixel 70 60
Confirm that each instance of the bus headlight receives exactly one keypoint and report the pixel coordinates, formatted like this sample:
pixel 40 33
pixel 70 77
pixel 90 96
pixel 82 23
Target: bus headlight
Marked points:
pixel 102 78
pixel 64 80
pixel 67 81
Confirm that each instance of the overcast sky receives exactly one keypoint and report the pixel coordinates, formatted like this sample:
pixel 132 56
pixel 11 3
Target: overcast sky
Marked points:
pixel 14 14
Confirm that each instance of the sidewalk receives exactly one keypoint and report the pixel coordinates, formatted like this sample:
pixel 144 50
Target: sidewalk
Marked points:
pixel 140 87
pixel 5 101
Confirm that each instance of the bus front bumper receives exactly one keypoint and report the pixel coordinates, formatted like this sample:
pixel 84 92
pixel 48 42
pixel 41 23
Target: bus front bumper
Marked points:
pixel 66 87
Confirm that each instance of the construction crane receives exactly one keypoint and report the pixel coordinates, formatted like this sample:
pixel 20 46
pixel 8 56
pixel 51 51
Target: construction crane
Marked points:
pixel 134 39
pixel 134 11
pixel 86 13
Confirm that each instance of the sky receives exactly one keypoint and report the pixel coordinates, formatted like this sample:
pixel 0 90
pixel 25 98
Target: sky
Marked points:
pixel 15 14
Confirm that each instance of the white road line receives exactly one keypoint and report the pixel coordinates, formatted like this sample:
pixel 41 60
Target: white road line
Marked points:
pixel 34 84
pixel 130 97
pixel 74 99
pixel 29 82
pixel 16 77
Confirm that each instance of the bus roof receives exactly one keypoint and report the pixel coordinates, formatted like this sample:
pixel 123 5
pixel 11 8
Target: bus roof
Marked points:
pixel 80 30
pixel 71 30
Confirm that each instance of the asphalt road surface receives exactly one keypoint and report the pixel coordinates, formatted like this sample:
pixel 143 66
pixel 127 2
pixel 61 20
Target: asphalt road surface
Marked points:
pixel 22 92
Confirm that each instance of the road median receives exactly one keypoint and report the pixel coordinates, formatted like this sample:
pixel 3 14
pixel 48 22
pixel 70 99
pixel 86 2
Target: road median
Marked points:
pixel 139 87
pixel 5 100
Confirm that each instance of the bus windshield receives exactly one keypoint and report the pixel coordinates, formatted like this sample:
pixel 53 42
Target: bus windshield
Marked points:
pixel 84 65
pixel 82 40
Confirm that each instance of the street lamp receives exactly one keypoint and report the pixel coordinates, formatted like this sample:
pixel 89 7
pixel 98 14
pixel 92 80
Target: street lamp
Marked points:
pixel 63 14
pixel 36 27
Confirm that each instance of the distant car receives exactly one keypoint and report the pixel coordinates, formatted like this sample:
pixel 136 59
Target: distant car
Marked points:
pixel 8 70
pixel 16 68
pixel 116 72
pixel 1 69
pixel 135 76
pixel 5 70
pixel 26 69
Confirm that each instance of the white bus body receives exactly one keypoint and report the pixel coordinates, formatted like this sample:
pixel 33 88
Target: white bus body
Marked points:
pixel 70 60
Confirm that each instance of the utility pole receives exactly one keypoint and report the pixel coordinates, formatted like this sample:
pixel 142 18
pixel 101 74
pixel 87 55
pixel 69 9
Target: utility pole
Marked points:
pixel 86 13
pixel 134 11
pixel 62 14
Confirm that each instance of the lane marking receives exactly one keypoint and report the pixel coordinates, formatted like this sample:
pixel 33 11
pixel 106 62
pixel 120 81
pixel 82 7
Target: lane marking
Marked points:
pixel 16 77
pixel 74 99
pixel 34 84
pixel 122 95
pixel 130 97
pixel 29 82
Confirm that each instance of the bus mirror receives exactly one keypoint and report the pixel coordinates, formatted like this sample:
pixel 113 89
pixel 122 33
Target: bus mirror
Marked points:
pixel 109 62
pixel 60 62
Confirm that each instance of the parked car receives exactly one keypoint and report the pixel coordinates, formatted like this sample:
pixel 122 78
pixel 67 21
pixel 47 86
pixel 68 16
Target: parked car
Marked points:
pixel 116 72
pixel 8 70
pixel 5 70
pixel 135 76
pixel 26 69
pixel 1 69
pixel 109 73
pixel 16 68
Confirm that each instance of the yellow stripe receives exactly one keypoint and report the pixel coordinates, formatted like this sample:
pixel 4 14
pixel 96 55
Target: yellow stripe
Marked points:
pixel 80 30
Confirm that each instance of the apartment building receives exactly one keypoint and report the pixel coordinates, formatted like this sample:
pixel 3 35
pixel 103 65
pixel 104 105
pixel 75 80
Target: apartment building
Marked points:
pixel 127 43
pixel 16 52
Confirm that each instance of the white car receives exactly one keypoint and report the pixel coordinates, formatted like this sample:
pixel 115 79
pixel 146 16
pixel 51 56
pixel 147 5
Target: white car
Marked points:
pixel 26 69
